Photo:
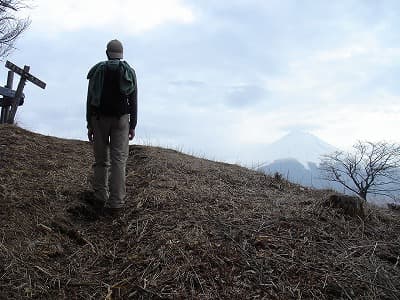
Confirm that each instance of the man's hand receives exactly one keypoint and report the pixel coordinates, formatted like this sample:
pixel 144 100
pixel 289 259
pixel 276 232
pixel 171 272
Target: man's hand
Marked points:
pixel 90 134
pixel 131 134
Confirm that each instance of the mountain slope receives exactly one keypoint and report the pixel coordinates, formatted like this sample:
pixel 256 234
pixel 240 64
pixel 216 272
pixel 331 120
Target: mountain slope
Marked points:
pixel 192 229
pixel 295 172
pixel 299 145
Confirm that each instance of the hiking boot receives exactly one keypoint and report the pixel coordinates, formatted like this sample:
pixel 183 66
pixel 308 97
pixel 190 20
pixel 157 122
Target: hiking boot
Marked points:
pixel 112 211
pixel 90 198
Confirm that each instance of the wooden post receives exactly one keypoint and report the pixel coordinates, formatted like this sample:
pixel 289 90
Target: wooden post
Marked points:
pixel 5 109
pixel 18 95
pixel 12 99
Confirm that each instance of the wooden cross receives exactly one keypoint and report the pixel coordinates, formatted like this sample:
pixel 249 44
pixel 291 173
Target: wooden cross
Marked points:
pixel 14 97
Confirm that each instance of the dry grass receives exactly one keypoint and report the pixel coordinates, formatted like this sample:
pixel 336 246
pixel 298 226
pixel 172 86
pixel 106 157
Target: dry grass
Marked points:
pixel 192 229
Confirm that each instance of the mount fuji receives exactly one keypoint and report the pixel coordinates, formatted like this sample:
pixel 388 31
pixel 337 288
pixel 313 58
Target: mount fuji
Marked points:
pixel 297 145
pixel 296 156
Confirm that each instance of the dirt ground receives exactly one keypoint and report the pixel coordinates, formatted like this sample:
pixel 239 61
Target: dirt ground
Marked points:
pixel 191 229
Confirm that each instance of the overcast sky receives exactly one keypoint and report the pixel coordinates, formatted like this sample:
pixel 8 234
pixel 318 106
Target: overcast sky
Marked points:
pixel 219 77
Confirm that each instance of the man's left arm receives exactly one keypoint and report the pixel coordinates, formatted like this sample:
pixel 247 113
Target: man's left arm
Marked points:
pixel 133 106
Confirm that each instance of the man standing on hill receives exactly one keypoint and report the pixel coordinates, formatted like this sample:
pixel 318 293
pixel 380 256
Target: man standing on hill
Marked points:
pixel 111 115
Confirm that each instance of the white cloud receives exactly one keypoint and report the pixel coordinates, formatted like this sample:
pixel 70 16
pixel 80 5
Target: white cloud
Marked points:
pixel 346 125
pixel 341 53
pixel 369 51
pixel 337 81
pixel 346 73
pixel 128 16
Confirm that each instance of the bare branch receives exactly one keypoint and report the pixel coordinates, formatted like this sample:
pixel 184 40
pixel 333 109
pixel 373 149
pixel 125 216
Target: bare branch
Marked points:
pixel 11 25
pixel 370 168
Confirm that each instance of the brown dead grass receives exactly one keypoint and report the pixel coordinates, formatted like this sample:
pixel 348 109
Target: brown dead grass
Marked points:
pixel 192 229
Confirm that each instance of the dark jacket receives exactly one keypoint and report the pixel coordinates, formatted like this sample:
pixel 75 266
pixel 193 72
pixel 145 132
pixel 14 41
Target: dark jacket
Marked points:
pixel 127 88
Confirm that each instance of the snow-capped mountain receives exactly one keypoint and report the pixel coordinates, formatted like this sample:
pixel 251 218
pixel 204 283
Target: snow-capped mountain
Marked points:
pixel 299 145
pixel 296 156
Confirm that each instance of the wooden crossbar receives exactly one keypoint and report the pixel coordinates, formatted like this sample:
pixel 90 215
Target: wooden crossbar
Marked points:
pixel 12 99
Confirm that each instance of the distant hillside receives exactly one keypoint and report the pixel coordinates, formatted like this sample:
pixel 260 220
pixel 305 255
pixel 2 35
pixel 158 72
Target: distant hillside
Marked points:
pixel 310 176
pixel 192 229
pixel 294 171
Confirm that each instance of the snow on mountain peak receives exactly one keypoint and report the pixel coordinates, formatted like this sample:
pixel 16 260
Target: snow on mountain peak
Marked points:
pixel 302 146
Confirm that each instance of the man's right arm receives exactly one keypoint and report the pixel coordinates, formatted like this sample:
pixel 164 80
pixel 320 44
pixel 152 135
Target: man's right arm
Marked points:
pixel 88 110
pixel 89 117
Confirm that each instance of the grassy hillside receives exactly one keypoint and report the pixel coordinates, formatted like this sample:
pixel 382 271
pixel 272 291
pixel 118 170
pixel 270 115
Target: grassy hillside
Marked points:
pixel 192 229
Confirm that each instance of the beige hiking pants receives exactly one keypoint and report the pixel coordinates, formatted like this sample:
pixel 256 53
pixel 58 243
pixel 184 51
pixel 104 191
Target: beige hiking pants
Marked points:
pixel 111 149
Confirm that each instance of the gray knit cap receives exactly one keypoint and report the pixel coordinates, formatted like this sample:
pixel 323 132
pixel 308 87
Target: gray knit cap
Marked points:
pixel 115 49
